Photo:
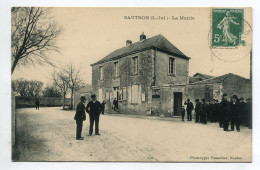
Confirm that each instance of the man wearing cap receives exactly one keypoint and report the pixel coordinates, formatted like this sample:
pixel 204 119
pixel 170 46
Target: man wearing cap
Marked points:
pixel 225 109
pixel 94 109
pixel 80 116
pixel 189 109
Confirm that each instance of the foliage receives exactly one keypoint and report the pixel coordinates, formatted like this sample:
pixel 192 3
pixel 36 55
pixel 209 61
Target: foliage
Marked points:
pixel 27 88
pixel 51 91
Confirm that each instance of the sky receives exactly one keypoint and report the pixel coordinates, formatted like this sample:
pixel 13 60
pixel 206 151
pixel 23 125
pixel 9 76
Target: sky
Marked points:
pixel 89 34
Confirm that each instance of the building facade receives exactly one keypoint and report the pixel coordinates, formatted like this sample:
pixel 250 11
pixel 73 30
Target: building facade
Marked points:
pixel 133 75
pixel 151 76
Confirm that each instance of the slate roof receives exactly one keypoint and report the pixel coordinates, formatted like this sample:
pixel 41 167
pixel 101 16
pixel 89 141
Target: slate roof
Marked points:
pixel 218 79
pixel 158 42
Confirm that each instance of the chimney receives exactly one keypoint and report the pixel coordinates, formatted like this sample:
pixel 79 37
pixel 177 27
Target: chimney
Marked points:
pixel 128 42
pixel 142 37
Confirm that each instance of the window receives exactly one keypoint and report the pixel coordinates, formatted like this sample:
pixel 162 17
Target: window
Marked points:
pixel 135 65
pixel 124 93
pixel 172 66
pixel 136 94
pixel 116 73
pixel 100 73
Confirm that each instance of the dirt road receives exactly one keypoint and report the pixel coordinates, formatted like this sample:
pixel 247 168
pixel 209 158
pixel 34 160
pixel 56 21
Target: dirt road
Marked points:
pixel 49 135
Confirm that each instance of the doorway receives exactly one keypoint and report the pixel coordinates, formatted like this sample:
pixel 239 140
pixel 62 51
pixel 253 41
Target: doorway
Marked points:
pixel 177 104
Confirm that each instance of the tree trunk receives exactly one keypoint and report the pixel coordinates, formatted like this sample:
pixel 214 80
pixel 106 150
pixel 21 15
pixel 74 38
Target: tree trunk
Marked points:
pixel 71 98
pixel 64 97
pixel 14 65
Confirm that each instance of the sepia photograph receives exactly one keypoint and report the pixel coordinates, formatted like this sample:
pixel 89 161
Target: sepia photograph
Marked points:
pixel 131 84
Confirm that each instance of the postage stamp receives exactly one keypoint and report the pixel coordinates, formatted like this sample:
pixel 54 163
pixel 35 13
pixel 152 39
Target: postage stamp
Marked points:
pixel 227 28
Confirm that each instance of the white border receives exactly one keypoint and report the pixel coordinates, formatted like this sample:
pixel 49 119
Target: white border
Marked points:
pixel 5 69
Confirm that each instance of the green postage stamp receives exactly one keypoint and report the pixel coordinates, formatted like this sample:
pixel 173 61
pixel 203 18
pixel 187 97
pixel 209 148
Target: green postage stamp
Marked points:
pixel 227 27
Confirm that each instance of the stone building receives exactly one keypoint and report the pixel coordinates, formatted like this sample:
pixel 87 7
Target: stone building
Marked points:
pixel 134 74
pixel 152 76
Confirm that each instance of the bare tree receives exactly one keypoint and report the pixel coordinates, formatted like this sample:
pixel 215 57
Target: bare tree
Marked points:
pixel 76 81
pixel 34 33
pixel 61 80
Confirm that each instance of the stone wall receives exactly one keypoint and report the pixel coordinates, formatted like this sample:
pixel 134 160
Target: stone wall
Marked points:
pixel 162 69
pixel 238 86
pixel 22 102
pixel 126 78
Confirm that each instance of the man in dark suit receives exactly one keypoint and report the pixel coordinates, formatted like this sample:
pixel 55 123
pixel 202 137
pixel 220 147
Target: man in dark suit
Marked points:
pixel 189 109
pixel 94 109
pixel 225 109
pixel 234 113
pixel 80 116
pixel 197 110
pixel 37 104
pixel 204 111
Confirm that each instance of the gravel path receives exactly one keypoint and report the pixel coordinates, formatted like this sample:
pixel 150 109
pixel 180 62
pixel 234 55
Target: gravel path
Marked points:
pixel 49 135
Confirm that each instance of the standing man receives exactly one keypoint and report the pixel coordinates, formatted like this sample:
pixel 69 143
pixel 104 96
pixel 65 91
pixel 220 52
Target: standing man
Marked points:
pixel 182 113
pixel 234 113
pixel 219 114
pixel 224 104
pixel 189 109
pixel 37 104
pixel 103 105
pixel 94 109
pixel 242 111
pixel 80 116
pixel 197 110
pixel 204 109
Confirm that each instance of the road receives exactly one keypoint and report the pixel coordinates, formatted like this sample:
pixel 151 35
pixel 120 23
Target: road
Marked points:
pixel 48 134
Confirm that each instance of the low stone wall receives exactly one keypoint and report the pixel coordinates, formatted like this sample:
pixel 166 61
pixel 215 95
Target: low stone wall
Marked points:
pixel 22 102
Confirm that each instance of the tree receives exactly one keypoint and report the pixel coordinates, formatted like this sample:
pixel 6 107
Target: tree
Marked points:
pixel 61 80
pixel 51 91
pixel 34 34
pixel 75 82
pixel 27 88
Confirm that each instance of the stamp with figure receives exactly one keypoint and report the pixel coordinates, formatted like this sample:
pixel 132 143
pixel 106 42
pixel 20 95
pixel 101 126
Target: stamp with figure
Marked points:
pixel 227 28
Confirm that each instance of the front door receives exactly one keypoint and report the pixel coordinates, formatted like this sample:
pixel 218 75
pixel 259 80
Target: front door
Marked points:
pixel 177 103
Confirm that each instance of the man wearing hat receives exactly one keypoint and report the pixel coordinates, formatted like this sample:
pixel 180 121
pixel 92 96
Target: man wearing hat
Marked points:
pixel 234 113
pixel 204 109
pixel 189 109
pixel 225 109
pixel 94 109
pixel 197 110
pixel 80 116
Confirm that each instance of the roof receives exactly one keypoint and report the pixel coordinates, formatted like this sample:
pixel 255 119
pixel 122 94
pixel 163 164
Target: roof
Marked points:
pixel 194 79
pixel 158 42
pixel 218 79
pixel 202 76
pixel 84 89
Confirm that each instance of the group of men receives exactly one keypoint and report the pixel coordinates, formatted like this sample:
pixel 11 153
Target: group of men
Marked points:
pixel 234 112
pixel 93 108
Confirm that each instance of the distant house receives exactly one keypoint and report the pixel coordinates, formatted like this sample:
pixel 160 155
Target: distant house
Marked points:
pixel 152 75
pixel 85 91
pixel 215 87
pixel 199 77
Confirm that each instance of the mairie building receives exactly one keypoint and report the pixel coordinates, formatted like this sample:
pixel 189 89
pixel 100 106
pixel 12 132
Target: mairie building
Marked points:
pixel 152 76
